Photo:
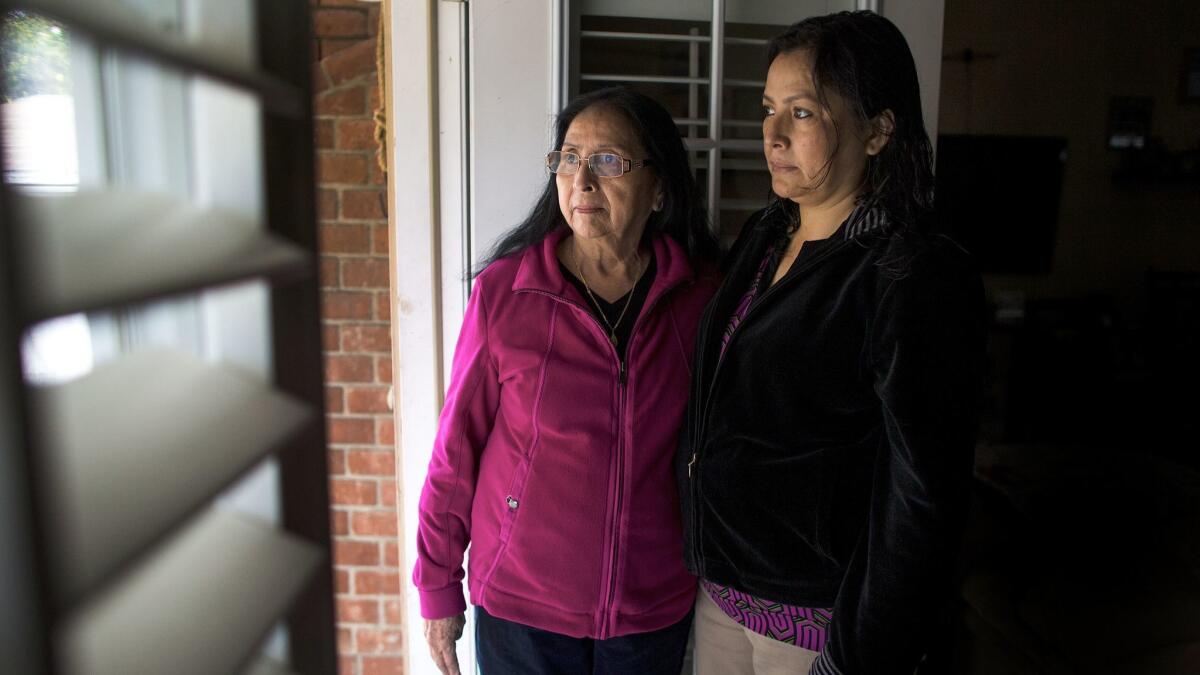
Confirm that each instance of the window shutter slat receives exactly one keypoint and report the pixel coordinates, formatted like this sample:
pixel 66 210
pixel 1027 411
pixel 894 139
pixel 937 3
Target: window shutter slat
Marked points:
pixel 138 444
pixel 98 249
pixel 118 25
pixel 199 606
pixel 267 667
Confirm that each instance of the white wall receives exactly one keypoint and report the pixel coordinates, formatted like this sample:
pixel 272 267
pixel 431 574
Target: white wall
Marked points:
pixel 921 23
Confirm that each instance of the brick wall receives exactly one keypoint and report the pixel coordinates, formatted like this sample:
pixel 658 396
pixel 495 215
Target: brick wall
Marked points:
pixel 355 318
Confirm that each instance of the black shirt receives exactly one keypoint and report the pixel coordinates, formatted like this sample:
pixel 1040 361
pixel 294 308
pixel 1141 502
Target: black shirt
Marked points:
pixel 612 310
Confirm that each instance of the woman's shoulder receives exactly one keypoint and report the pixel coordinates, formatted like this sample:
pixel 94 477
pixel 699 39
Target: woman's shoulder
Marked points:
pixel 909 253
pixel 501 272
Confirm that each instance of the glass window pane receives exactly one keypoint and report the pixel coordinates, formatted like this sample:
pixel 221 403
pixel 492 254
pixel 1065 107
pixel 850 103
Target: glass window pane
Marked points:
pixel 39 134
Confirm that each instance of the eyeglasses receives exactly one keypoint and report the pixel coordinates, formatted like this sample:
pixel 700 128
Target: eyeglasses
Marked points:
pixel 603 164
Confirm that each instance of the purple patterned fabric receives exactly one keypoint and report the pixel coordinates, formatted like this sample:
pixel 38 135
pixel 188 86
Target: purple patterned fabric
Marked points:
pixel 801 626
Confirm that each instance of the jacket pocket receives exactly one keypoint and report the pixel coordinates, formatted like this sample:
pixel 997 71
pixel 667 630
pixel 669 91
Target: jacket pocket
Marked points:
pixel 512 500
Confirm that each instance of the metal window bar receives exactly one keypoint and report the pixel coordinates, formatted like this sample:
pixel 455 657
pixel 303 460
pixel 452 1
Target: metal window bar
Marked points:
pixel 667 37
pixel 716 72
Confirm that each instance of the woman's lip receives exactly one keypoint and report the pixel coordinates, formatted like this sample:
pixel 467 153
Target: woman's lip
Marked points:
pixel 781 167
pixel 588 209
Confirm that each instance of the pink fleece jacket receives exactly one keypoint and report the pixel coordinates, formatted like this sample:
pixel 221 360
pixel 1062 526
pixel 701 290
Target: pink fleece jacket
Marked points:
pixel 554 462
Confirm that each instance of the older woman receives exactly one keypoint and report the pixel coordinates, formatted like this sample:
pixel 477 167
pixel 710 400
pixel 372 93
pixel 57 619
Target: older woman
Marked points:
pixel 569 384
pixel 826 478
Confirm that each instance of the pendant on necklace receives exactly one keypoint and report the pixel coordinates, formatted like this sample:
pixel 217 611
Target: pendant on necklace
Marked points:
pixel 612 337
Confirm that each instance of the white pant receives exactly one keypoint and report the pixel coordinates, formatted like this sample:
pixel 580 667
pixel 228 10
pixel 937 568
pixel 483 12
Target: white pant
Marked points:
pixel 724 647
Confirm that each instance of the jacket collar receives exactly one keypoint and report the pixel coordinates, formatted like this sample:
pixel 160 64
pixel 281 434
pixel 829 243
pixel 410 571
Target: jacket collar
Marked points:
pixel 863 220
pixel 539 269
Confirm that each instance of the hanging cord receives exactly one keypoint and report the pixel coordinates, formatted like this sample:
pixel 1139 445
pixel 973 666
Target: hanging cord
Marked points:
pixel 380 113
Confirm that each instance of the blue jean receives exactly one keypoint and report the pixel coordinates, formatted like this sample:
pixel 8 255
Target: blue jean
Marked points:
pixel 509 648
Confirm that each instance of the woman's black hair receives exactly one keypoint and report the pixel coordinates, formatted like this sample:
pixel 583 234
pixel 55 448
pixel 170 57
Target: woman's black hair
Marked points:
pixel 865 59
pixel 683 216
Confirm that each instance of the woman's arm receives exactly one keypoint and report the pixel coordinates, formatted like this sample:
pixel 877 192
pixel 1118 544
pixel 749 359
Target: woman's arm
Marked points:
pixel 444 519
pixel 928 354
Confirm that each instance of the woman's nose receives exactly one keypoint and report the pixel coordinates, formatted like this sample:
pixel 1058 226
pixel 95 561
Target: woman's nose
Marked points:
pixel 584 179
pixel 773 133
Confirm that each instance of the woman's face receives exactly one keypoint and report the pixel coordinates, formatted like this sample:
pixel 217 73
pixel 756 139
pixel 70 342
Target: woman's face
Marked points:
pixel 816 156
pixel 596 207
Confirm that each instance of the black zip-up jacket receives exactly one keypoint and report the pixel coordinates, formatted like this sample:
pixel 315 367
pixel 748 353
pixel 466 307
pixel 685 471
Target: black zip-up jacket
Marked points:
pixel 826 460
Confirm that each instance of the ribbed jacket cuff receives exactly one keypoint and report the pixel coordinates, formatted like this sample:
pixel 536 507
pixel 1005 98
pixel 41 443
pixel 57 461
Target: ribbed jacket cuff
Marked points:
pixel 443 602
pixel 824 666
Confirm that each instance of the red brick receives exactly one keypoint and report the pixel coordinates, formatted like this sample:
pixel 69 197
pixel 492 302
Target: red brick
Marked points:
pixel 367 338
pixel 373 19
pixel 335 167
pixel 330 338
pixel 391 554
pixel 373 524
pixel 345 305
pixel 387 493
pixel 348 369
pixel 329 23
pixel 352 493
pixel 331 46
pixel 327 204
pixel 379 240
pixel 382 665
pixel 363 205
pixel 365 273
pixel 323 135
pixel 373 98
pixel 347 665
pixel 329 272
pixel 383 307
pixel 345 101
pixel 356 134
pixel 373 641
pixel 345 239
pixel 357 611
pixel 339 522
pixel 341 581
pixel 367 400
pixel 360 430
pixel 350 552
pixel 383 370
pixel 333 400
pixel 336 461
pixel 370 582
pixel 345 640
pixel 378 175
pixel 371 462
pixel 386 434
pixel 350 63
pixel 393 613
pixel 320 81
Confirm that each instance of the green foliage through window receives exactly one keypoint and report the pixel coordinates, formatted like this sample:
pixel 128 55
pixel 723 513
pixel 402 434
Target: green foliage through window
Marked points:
pixel 34 55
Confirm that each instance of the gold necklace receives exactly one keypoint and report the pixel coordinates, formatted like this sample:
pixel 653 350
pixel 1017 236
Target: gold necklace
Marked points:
pixel 612 327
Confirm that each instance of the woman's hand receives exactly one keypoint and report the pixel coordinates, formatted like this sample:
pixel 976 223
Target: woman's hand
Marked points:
pixel 441 634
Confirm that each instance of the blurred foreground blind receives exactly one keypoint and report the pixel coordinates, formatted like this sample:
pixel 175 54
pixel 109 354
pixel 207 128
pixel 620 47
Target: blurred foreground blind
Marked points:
pixel 119 556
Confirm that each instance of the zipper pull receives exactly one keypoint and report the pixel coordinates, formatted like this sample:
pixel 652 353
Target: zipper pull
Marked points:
pixel 623 374
pixel 693 461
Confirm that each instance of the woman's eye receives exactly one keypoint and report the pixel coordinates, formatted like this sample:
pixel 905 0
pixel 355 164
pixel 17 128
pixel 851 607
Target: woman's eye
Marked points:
pixel 767 111
pixel 801 113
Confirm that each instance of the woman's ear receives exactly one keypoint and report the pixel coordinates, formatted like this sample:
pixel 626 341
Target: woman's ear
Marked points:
pixel 658 202
pixel 882 128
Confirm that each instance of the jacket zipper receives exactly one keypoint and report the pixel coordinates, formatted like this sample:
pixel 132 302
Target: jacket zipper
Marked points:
pixel 622 379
